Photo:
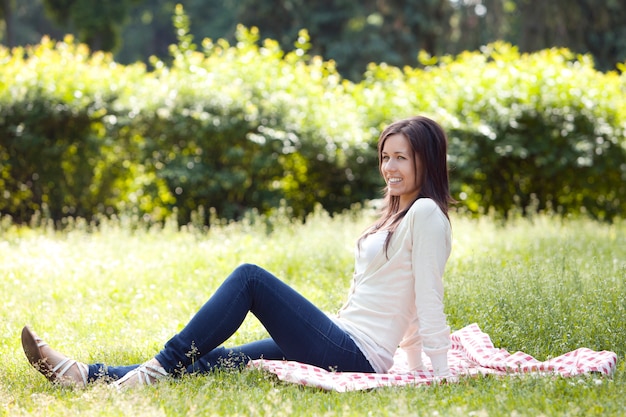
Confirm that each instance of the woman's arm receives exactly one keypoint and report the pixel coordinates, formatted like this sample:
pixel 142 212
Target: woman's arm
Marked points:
pixel 431 248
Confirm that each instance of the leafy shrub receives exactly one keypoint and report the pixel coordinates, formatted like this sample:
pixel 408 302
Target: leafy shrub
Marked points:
pixel 58 153
pixel 247 126
pixel 542 131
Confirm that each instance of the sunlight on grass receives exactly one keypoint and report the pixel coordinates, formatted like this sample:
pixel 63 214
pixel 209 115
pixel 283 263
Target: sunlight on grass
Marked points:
pixel 116 293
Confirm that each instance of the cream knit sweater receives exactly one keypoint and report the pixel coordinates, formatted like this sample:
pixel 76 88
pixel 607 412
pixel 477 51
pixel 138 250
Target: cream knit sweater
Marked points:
pixel 397 300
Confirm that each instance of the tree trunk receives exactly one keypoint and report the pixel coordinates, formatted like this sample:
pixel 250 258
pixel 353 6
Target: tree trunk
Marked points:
pixel 5 6
pixel 532 36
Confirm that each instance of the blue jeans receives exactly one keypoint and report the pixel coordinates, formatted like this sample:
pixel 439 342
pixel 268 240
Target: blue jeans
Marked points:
pixel 299 331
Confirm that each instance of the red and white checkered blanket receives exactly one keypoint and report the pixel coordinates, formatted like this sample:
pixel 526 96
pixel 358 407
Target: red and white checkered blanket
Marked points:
pixel 472 353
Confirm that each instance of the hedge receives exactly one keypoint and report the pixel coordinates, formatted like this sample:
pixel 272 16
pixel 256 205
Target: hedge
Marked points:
pixel 249 126
pixel 528 132
pixel 57 152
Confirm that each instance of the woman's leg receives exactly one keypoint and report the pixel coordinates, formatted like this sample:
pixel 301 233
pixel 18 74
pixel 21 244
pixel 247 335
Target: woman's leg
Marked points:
pixel 218 358
pixel 101 371
pixel 237 357
pixel 300 330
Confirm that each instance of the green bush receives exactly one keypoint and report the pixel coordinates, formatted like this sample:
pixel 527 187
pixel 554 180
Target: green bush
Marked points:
pixel 59 153
pixel 542 131
pixel 247 126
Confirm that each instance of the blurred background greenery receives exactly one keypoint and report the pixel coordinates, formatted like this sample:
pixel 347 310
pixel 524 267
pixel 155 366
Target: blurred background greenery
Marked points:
pixel 215 109
pixel 351 32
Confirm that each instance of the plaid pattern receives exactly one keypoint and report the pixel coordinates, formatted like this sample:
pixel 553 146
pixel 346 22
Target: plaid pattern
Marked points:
pixel 472 354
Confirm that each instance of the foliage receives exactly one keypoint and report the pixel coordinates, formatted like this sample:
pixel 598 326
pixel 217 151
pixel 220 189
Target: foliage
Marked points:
pixel 542 131
pixel 352 33
pixel 115 293
pixel 60 153
pixel 98 24
pixel 356 33
pixel 582 27
pixel 27 23
pixel 235 127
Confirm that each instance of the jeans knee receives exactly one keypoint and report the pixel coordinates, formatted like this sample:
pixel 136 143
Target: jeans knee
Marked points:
pixel 245 273
pixel 247 269
pixel 252 274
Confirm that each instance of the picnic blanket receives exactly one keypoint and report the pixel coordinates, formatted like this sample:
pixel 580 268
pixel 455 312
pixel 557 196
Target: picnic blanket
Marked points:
pixel 472 353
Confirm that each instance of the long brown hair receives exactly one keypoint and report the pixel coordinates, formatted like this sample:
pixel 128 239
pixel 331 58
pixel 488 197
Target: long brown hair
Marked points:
pixel 430 144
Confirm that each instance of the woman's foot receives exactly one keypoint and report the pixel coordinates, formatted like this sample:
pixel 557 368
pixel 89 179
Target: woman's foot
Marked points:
pixel 149 373
pixel 55 366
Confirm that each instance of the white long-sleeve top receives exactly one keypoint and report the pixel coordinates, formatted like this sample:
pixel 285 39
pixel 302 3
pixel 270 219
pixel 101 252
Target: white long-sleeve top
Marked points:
pixel 396 299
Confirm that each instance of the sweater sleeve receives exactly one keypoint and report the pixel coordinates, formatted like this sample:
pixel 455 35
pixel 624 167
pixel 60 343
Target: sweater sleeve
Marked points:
pixel 411 344
pixel 430 230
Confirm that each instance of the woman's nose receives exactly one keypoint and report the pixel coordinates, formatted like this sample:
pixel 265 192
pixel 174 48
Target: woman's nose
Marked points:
pixel 389 166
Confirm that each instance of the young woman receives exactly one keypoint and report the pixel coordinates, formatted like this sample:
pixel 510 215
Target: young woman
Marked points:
pixel 395 300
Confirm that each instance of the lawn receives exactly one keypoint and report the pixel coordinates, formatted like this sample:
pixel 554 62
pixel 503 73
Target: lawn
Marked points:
pixel 114 293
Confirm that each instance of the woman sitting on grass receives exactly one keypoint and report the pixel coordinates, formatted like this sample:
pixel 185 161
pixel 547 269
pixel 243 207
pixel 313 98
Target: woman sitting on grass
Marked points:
pixel 395 300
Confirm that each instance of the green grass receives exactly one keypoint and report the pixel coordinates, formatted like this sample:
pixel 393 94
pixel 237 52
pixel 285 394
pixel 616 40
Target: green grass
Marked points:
pixel 115 294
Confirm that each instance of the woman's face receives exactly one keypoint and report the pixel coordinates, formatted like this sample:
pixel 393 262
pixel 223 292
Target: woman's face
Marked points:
pixel 398 166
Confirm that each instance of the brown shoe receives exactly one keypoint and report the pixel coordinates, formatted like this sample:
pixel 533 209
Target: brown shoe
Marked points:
pixel 52 364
